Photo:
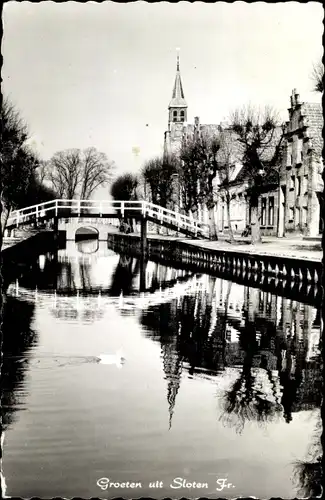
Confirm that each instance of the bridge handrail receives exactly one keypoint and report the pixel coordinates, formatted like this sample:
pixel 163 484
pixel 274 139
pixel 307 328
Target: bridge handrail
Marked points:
pixel 162 213
pixel 32 206
pixel 178 214
pixel 192 224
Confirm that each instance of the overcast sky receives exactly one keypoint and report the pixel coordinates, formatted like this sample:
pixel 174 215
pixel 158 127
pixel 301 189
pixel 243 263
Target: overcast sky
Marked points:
pixel 101 74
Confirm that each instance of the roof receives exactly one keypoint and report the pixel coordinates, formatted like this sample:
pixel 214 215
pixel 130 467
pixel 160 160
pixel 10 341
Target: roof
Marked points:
pixel 313 119
pixel 231 150
pixel 178 99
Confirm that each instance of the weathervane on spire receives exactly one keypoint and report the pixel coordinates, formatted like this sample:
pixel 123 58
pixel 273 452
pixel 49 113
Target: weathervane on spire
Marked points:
pixel 177 50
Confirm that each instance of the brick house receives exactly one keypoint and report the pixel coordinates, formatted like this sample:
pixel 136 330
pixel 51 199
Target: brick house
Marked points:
pixel 301 185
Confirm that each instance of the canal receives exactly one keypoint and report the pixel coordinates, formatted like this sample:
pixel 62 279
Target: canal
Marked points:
pixel 195 386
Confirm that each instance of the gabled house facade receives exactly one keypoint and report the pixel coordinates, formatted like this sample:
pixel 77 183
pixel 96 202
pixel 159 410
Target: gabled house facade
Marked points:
pixel 301 184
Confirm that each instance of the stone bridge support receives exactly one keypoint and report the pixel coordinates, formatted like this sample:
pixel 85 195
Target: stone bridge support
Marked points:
pixel 101 226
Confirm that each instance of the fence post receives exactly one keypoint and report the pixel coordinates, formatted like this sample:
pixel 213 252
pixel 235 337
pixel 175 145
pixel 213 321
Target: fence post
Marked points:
pixel 17 220
pixel 143 270
pixel 122 208
pixel 37 212
pixel 56 207
pixel 100 209
pixel 144 241
pixel 79 207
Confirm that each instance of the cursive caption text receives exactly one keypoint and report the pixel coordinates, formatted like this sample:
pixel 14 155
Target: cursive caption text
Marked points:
pixel 178 482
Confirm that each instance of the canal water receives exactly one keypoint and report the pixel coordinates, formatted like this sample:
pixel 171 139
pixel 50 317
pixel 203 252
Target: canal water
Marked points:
pixel 194 386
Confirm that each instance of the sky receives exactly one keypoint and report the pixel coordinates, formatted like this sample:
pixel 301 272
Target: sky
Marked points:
pixel 102 74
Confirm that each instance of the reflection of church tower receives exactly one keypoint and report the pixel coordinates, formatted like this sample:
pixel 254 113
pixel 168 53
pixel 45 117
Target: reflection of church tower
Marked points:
pixel 177 115
pixel 172 363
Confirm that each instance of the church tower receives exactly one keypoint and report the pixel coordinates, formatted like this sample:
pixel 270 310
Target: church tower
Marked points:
pixel 177 115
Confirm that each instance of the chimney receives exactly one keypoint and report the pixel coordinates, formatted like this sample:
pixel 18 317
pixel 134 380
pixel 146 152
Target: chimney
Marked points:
pixel 293 98
pixel 297 99
pixel 196 121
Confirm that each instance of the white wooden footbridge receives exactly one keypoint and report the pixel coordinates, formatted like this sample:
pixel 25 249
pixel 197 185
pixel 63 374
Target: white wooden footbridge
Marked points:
pixel 61 212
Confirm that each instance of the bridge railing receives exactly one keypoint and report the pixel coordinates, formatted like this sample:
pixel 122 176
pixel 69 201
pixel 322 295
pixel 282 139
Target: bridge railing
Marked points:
pixel 176 218
pixel 65 207
pixel 24 214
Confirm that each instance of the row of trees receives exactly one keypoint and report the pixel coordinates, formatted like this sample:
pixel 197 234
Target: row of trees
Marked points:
pixel 202 171
pixel 27 180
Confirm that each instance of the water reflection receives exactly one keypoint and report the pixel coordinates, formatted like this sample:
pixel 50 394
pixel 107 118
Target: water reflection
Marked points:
pixel 308 474
pixel 80 268
pixel 271 342
pixel 259 352
pixel 18 340
pixel 87 247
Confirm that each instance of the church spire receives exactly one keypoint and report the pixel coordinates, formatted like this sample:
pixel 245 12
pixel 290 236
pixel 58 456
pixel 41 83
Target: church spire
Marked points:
pixel 178 106
pixel 172 365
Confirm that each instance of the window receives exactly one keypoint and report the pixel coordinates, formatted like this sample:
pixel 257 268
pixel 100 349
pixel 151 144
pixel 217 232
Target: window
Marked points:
pixel 305 184
pixel 263 222
pixel 304 216
pixel 297 221
pixel 291 214
pixel 292 182
pixel 182 115
pixel 299 152
pixel 289 155
pixel 175 115
pixel 271 211
pixel 298 192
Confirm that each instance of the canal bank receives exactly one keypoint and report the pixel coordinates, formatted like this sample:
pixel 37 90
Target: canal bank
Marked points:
pixel 17 257
pixel 290 261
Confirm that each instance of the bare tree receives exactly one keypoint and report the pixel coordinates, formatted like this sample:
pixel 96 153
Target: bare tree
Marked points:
pixel 159 174
pixel 96 171
pixel 317 77
pixel 228 155
pixel 197 172
pixel 124 188
pixel 18 162
pixel 75 173
pixel 261 136
pixel 42 173
pixel 65 171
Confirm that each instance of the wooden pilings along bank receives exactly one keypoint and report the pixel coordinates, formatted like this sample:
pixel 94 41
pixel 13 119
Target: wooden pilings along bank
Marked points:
pixel 262 270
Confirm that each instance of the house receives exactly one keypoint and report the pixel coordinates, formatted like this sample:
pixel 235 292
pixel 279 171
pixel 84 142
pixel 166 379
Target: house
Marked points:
pixel 301 184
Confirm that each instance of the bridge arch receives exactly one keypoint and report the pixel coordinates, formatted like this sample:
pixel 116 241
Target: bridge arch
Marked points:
pixel 85 232
pixel 75 226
